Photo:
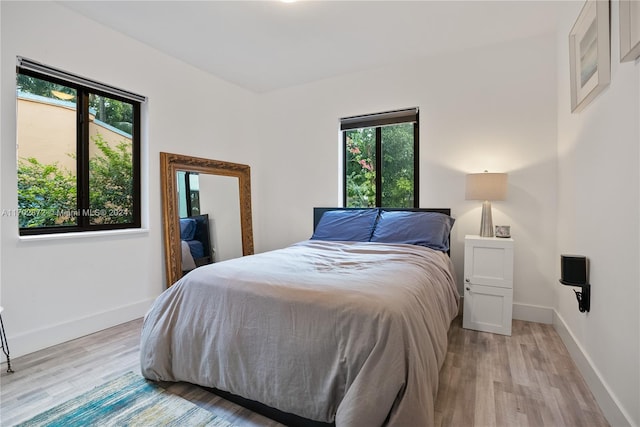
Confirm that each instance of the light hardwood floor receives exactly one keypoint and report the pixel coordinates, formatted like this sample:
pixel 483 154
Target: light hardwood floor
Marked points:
pixel 527 379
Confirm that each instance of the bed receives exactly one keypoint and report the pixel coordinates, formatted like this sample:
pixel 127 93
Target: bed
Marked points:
pixel 348 327
pixel 195 242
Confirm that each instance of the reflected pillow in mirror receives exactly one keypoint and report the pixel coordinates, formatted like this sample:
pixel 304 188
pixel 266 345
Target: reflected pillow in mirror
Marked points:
pixel 355 225
pixel 187 228
pixel 430 229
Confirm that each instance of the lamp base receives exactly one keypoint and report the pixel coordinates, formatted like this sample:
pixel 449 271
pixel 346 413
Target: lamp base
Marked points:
pixel 486 225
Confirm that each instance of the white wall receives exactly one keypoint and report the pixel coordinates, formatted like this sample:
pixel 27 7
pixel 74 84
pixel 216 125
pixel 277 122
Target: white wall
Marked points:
pixel 60 289
pixel 598 216
pixel 489 108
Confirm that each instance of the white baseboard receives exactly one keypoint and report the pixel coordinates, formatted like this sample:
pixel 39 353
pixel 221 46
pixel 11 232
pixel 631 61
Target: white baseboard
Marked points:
pixel 611 408
pixel 29 342
pixel 530 313
pixel 533 313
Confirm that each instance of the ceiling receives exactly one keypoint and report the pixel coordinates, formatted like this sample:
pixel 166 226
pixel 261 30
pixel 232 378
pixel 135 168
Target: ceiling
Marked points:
pixel 267 45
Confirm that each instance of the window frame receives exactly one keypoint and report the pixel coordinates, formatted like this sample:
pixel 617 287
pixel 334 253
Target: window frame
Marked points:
pixel 377 121
pixel 83 147
pixel 188 193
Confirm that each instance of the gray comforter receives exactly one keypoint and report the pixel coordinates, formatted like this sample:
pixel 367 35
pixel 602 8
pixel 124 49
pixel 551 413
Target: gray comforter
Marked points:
pixel 332 331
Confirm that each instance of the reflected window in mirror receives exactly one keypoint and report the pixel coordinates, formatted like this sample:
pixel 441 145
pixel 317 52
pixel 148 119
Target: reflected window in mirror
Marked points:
pixel 188 186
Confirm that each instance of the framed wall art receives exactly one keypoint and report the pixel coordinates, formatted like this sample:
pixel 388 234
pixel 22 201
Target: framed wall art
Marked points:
pixel 589 54
pixel 629 30
pixel 503 231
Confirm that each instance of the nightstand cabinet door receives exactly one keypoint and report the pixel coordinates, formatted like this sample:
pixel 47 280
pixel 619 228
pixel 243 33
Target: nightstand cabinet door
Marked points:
pixel 488 308
pixel 488 261
pixel 488 284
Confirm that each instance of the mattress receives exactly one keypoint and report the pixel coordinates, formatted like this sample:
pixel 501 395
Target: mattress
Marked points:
pixel 344 332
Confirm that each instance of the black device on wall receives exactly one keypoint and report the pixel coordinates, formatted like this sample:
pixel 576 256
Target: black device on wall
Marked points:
pixel 575 272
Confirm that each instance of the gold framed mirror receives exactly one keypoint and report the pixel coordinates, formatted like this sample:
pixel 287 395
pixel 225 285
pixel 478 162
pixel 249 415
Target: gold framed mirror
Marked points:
pixel 170 166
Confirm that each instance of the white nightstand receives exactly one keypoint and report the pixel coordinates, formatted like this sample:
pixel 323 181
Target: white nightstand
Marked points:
pixel 488 284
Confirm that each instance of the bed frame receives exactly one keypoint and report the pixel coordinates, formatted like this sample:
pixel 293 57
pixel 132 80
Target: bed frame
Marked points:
pixel 290 420
pixel 203 235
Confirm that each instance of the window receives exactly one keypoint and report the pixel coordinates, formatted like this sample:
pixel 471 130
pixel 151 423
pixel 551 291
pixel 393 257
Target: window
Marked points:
pixel 381 159
pixel 188 194
pixel 78 153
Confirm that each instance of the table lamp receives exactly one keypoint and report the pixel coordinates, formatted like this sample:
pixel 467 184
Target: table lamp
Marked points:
pixel 486 187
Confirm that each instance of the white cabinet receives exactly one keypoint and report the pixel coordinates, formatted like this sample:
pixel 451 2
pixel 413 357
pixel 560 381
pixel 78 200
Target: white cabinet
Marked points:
pixel 488 284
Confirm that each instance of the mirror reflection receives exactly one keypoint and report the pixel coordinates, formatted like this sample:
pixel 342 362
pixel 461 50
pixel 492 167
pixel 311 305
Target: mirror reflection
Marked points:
pixel 207 212
pixel 222 204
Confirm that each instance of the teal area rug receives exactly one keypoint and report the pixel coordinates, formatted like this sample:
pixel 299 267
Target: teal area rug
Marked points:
pixel 129 400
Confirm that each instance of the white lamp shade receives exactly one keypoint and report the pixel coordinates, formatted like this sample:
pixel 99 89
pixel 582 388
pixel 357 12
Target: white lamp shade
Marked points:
pixel 486 186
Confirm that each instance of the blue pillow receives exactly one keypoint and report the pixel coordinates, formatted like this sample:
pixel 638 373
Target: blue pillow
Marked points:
pixel 187 228
pixel 353 225
pixel 430 229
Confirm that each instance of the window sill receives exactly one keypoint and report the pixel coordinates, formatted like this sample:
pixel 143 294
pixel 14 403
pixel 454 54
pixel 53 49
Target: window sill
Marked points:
pixel 63 236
